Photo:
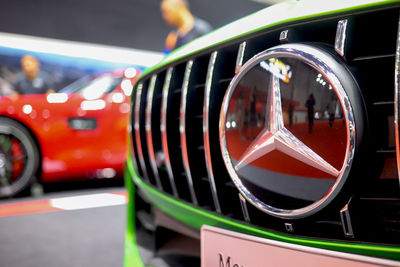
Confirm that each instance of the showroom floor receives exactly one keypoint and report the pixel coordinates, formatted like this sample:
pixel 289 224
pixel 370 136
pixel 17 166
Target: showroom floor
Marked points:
pixel 68 228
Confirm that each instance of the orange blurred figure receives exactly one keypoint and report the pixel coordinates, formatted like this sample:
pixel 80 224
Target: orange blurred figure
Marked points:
pixel 188 27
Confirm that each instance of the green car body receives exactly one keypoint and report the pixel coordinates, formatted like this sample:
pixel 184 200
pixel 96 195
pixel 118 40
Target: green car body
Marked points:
pixel 275 17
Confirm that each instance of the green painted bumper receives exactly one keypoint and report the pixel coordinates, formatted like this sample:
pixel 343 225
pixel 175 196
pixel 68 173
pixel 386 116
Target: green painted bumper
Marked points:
pixel 131 253
pixel 195 218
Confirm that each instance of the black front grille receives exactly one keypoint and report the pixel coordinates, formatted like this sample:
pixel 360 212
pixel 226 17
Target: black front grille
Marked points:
pixel 176 137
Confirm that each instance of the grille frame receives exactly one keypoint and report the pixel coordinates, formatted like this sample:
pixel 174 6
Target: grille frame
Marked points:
pixel 291 37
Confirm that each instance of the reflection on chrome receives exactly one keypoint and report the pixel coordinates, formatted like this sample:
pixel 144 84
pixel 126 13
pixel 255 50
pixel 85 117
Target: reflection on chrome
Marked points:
pixel 206 121
pixel 136 126
pixel 163 129
pixel 182 127
pixel 245 211
pixel 277 68
pixel 397 101
pixel 149 137
pixel 240 56
pixel 340 40
pixel 277 137
pixel 3 169
pixel 283 36
pixel 346 221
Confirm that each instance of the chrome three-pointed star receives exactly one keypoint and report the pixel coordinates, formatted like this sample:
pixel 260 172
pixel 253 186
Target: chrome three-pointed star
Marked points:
pixel 276 137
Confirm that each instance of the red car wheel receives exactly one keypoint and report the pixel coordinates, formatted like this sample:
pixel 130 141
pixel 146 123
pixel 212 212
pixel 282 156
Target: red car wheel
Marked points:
pixel 19 157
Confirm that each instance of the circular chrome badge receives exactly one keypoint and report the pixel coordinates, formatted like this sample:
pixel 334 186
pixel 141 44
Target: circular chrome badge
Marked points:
pixel 287 129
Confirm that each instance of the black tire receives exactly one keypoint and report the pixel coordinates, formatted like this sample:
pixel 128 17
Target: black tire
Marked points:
pixel 16 171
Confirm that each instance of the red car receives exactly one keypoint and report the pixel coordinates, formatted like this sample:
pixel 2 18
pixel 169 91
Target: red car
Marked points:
pixel 79 132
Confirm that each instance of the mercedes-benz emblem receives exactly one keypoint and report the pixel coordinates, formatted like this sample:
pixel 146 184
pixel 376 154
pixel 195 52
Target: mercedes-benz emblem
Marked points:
pixel 276 137
pixel 287 130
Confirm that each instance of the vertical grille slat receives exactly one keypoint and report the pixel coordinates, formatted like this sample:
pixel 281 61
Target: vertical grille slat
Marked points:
pixel 170 130
pixel 135 155
pixel 141 132
pixel 191 125
pixel 397 99
pixel 243 202
pixel 240 56
pixel 182 129
pixel 148 126
pixel 158 160
pixel 163 129
pixel 340 39
pixel 221 69
pixel 139 92
pixel 206 129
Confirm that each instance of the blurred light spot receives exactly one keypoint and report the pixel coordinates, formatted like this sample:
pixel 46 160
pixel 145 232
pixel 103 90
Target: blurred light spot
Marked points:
pixel 46 114
pixel 107 155
pixel 130 72
pixel 57 98
pixel 10 110
pixel 27 109
pixel 33 114
pixel 46 126
pixel 228 124
pixel 97 88
pixel 233 124
pixel 160 159
pixel 81 112
pixel 118 98
pixel 108 173
pixel 93 104
pixel 127 87
pixel 50 165
pixel 88 201
pixel 124 108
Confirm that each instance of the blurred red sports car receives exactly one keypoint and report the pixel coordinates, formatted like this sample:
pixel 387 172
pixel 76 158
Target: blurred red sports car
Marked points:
pixel 78 132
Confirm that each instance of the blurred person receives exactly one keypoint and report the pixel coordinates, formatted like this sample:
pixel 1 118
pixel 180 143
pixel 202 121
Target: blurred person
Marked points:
pixel 188 27
pixel 290 113
pixel 32 80
pixel 310 112
pixel 331 108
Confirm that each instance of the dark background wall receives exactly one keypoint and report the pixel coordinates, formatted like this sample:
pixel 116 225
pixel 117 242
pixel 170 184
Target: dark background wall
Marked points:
pixel 128 23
